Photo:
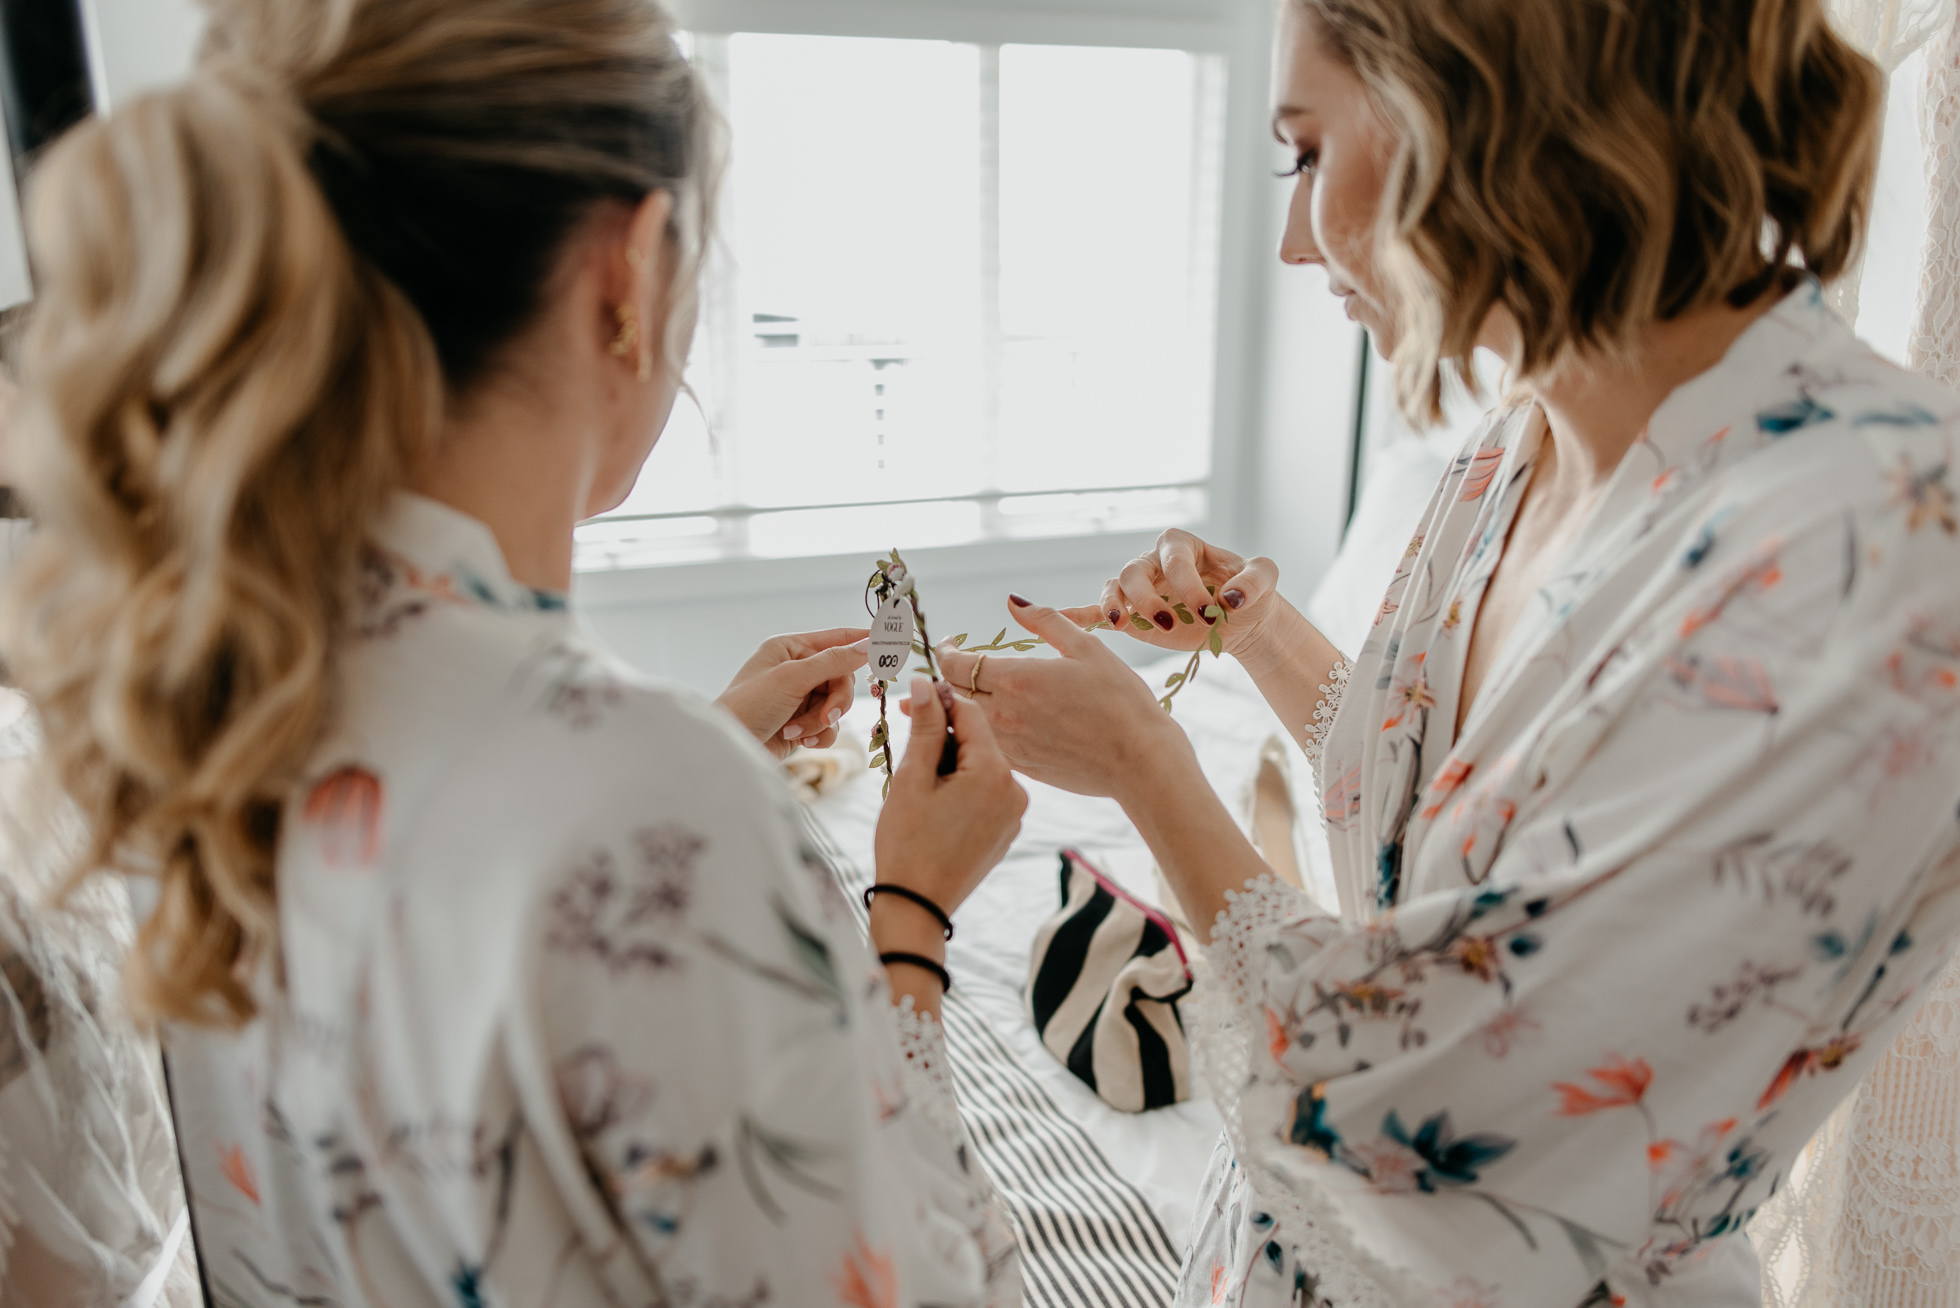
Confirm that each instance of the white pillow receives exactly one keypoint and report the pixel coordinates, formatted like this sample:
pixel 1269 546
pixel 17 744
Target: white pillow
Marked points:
pixel 1401 479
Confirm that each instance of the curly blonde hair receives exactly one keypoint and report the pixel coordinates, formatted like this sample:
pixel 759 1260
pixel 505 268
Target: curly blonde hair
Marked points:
pixel 258 291
pixel 1597 167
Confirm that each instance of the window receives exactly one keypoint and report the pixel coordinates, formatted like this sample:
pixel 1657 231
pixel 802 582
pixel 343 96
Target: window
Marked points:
pixel 964 292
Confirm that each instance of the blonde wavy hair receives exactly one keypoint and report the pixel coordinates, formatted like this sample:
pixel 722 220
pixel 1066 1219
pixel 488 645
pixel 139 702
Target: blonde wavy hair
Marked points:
pixel 1596 167
pixel 257 294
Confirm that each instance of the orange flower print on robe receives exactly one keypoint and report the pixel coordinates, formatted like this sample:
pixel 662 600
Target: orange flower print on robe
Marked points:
pixel 1479 469
pixel 238 1170
pixel 1624 1083
pixel 1724 681
pixel 1453 774
pixel 343 812
pixel 867 1279
pixel 1827 1057
pixel 1760 574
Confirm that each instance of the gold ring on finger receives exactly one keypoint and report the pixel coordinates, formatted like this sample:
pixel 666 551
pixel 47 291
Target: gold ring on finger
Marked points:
pixel 973 681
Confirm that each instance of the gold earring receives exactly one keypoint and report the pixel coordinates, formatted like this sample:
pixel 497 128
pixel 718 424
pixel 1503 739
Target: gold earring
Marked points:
pixel 628 338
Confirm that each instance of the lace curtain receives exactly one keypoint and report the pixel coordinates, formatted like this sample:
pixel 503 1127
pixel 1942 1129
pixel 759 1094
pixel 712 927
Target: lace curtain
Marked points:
pixel 91 1209
pixel 1889 31
pixel 1871 1217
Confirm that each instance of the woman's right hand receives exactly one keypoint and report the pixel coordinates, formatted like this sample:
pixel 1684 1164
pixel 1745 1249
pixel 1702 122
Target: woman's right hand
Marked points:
pixel 940 836
pixel 1184 570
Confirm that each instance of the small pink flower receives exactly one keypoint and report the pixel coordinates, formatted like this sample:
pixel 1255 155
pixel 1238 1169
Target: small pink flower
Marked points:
pixel 1509 1030
pixel 1391 1167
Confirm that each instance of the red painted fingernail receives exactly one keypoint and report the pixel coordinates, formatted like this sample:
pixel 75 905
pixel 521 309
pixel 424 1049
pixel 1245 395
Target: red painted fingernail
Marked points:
pixel 1018 602
pixel 1116 617
pixel 1166 621
pixel 1234 598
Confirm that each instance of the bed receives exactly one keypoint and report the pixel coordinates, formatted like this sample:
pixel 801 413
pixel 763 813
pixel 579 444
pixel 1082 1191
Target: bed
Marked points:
pixel 1101 1200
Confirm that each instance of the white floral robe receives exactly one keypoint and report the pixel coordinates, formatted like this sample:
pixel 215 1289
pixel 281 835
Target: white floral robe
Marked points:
pixel 568 1017
pixel 1606 959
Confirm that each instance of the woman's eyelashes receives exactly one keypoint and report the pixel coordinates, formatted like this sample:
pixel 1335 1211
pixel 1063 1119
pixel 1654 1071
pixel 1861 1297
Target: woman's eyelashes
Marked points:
pixel 1306 163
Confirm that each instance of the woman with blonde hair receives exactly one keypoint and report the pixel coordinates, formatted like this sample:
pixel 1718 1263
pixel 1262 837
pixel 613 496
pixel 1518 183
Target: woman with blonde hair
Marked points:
pixel 1642 792
pixel 491 973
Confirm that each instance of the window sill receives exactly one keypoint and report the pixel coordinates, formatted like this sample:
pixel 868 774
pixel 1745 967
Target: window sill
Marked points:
pixel 758 578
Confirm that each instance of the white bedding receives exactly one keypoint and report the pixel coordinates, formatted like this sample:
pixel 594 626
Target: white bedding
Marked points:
pixel 1161 1154
pixel 1086 1183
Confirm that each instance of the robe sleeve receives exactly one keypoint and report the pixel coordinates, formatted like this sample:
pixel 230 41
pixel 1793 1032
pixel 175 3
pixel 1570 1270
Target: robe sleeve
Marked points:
pixel 721 1057
pixel 1723 876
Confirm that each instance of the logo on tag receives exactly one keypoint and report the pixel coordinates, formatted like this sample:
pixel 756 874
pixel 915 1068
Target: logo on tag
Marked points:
pixel 891 639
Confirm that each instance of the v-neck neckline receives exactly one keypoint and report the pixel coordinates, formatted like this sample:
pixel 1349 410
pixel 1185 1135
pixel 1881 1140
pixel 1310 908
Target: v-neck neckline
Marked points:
pixel 1470 581
pixel 1615 508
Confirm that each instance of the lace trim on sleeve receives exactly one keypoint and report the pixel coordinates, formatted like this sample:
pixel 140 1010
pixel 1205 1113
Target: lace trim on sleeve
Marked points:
pixel 929 1085
pixel 928 1078
pixel 1245 926
pixel 1225 1021
pixel 1315 742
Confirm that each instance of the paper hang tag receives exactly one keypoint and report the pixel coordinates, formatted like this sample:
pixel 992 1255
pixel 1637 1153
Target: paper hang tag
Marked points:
pixel 891 639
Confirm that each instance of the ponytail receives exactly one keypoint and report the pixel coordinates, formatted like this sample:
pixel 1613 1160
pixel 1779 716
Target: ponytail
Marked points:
pixel 221 397
pixel 259 293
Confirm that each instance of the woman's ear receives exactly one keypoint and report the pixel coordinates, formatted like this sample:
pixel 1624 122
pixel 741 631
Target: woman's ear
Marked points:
pixel 645 266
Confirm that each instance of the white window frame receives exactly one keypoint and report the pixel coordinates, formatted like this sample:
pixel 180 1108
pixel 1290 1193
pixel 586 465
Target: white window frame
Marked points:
pixel 1238 30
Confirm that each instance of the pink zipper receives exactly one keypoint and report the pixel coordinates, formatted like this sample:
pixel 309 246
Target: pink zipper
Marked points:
pixel 1154 914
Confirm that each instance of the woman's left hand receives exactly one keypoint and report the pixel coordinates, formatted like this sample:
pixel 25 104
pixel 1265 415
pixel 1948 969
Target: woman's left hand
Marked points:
pixel 795 688
pixel 1083 722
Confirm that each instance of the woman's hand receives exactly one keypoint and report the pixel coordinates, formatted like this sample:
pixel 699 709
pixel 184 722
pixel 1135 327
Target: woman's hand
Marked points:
pixel 1084 722
pixel 1185 571
pixel 795 688
pixel 1087 723
pixel 939 836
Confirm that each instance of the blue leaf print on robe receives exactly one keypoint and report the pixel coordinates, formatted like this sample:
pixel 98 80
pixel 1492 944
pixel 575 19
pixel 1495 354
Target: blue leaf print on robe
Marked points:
pixel 1907 415
pixel 1782 419
pixel 465 1280
pixel 1451 1161
pixel 1310 1123
pixel 1388 873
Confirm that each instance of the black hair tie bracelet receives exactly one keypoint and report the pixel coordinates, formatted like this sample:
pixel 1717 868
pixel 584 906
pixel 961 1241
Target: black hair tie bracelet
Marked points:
pixel 921 961
pixel 938 913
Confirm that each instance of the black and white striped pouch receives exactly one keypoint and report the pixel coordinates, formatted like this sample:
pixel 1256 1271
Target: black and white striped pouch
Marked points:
pixel 1103 986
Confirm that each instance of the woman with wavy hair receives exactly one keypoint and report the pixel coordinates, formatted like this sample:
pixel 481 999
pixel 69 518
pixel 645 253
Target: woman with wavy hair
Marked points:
pixel 1644 791
pixel 491 973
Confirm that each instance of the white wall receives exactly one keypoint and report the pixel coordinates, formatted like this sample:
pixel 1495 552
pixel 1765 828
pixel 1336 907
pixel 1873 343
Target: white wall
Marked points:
pixel 133 44
pixel 1311 359
pixel 138 44
pixel 15 286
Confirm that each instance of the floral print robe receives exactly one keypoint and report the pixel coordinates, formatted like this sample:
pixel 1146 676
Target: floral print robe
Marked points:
pixel 568 1017
pixel 1608 957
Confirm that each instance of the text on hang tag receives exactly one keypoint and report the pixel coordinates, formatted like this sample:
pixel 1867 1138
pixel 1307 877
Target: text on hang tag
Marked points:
pixel 891 639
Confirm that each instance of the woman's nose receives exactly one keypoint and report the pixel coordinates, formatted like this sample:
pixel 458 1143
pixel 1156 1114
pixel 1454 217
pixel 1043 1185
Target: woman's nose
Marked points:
pixel 1296 243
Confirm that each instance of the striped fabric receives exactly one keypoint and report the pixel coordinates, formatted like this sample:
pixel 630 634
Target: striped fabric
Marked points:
pixel 1106 974
pixel 1088 1237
